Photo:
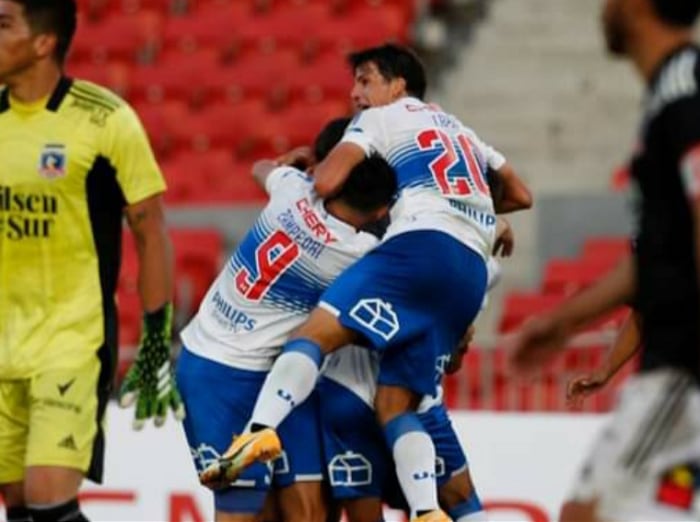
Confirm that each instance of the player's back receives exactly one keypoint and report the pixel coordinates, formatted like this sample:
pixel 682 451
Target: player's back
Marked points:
pixel 440 166
pixel 275 277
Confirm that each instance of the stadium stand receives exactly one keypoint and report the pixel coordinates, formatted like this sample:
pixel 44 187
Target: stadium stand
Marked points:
pixel 219 83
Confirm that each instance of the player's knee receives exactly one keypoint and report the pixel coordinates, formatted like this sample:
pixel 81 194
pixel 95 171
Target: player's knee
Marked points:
pixel 12 493
pixel 574 511
pixel 393 401
pixel 324 329
pixel 65 512
pixel 50 485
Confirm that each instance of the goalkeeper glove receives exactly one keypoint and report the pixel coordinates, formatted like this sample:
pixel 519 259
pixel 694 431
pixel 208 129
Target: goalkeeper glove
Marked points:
pixel 150 381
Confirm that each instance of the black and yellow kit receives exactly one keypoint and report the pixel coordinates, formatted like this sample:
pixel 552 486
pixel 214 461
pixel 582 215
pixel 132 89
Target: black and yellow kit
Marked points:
pixel 70 164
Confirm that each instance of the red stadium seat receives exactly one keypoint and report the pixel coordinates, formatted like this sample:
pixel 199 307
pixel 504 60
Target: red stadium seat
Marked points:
pixel 519 306
pixel 323 79
pixel 120 36
pixel 162 122
pixel 199 254
pixel 567 276
pixel 114 75
pixel 300 124
pixel 172 77
pixel 606 249
pixel 213 25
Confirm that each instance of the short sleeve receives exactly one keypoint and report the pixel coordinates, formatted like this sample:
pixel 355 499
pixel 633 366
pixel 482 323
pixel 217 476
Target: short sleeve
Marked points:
pixel 281 178
pixel 683 122
pixel 493 158
pixel 126 147
pixel 367 131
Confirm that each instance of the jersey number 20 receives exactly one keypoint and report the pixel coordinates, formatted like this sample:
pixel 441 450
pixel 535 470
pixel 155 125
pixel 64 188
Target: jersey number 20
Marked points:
pixel 272 257
pixel 453 185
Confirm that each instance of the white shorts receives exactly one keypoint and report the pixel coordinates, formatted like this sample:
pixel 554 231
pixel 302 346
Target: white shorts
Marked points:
pixel 645 465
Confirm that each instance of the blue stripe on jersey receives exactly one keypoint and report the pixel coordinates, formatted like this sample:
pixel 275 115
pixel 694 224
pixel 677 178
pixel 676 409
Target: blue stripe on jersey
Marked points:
pixel 412 166
pixel 296 290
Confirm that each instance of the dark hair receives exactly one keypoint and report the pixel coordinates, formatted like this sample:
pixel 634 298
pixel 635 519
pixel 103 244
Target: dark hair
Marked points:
pixel 52 16
pixel 394 61
pixel 329 137
pixel 370 185
pixel 682 13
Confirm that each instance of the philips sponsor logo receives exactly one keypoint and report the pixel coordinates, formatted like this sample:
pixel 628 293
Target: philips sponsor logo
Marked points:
pixel 236 320
pixel 485 219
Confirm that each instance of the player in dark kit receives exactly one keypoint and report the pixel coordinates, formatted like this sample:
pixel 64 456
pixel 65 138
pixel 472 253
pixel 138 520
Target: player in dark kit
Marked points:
pixel 646 465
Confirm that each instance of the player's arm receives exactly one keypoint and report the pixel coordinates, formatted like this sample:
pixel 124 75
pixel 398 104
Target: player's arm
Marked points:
pixel 515 195
pixel 364 136
pixel 155 279
pixel 331 173
pixel 542 337
pixel 265 169
pixel 149 382
pixel 627 343
pixel 682 121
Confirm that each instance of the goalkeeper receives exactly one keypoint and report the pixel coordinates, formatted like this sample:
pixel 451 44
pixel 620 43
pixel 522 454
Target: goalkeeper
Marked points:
pixel 76 160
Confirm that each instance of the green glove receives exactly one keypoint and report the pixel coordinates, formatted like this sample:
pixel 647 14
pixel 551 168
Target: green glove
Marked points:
pixel 150 381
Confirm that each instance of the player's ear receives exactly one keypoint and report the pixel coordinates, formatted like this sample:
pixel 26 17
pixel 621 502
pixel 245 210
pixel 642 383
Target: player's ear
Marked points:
pixel 398 88
pixel 45 44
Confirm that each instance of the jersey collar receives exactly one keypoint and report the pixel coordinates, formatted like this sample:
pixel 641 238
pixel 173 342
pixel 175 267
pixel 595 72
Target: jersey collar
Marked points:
pixel 54 101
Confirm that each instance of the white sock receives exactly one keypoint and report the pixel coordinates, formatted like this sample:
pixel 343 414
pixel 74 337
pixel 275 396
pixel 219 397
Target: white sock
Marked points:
pixel 414 455
pixel 290 381
pixel 479 516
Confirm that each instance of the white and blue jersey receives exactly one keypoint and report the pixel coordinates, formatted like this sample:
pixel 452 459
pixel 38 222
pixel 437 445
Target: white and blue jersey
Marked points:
pixel 440 167
pixel 415 294
pixel 267 288
pixel 275 277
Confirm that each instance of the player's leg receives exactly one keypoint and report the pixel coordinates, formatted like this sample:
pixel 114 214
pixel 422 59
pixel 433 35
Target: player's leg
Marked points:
pixel 218 400
pixel 14 423
pixel 357 460
pixel 66 438
pixel 298 473
pixel 456 491
pixel 645 464
pixel 574 511
pixel 12 495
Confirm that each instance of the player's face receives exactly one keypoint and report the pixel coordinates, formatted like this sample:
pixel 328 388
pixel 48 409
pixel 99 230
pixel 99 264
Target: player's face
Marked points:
pixel 17 52
pixel 371 89
pixel 615 26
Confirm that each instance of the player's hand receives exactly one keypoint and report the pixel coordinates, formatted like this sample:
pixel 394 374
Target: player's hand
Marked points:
pixel 539 340
pixel 150 381
pixel 299 157
pixel 505 239
pixel 583 386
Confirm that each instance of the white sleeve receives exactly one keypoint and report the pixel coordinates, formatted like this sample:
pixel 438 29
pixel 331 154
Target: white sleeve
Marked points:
pixel 281 177
pixel 367 131
pixel 494 159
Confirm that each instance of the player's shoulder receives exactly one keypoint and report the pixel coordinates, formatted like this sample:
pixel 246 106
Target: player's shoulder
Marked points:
pixel 677 82
pixel 95 95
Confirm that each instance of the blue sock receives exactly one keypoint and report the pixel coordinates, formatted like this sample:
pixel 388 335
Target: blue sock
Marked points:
pixel 470 509
pixel 291 380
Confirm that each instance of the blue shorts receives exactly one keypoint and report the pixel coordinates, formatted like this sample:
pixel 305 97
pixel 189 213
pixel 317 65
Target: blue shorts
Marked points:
pixel 359 463
pixel 219 401
pixel 412 298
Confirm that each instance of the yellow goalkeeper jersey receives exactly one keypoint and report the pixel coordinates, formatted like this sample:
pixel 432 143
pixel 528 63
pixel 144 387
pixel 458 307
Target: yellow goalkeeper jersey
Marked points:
pixel 68 166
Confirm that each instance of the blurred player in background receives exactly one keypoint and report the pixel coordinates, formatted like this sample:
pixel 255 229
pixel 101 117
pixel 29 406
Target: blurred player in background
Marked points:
pixel 413 296
pixel 298 245
pixel 646 464
pixel 627 343
pixel 75 160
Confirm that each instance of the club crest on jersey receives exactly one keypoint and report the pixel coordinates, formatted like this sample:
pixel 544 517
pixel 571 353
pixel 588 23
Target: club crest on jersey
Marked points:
pixel 52 161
